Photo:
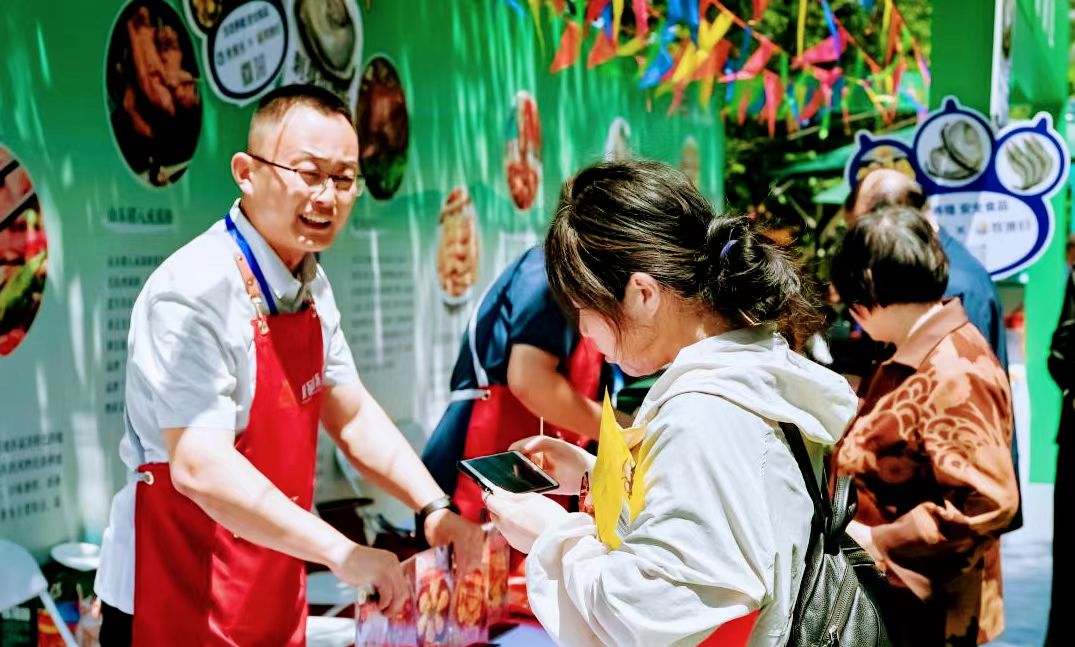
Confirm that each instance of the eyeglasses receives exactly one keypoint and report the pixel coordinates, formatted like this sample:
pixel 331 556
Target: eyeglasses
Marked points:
pixel 315 179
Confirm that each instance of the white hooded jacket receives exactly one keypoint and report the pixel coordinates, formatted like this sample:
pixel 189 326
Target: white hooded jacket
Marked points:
pixel 726 518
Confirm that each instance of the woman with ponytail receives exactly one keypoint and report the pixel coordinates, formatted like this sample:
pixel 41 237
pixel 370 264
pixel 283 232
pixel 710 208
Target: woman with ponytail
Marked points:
pixel 701 513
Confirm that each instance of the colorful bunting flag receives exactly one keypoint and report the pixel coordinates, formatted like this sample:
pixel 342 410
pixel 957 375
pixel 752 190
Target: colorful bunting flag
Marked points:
pixel 602 50
pixel 568 51
pixel 756 62
pixel 641 9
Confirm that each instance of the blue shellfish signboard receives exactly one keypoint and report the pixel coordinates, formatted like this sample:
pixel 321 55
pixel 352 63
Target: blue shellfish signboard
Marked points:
pixel 989 189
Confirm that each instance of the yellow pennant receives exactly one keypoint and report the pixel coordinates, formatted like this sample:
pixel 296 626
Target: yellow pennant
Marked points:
pixel 615 478
pixel 631 47
pixel 711 33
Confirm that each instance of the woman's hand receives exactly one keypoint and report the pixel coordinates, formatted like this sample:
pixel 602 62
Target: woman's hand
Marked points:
pixel 522 517
pixel 863 536
pixel 560 459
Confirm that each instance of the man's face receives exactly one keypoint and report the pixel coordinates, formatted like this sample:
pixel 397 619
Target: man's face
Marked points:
pixel 301 212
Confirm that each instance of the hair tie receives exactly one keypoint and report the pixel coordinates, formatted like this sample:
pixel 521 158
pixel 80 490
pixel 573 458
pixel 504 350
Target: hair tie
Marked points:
pixel 728 245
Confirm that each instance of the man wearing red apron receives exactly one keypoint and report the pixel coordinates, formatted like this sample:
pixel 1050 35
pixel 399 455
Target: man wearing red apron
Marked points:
pixel 235 356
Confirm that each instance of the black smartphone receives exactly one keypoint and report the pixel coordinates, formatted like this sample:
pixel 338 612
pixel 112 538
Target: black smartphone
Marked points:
pixel 511 471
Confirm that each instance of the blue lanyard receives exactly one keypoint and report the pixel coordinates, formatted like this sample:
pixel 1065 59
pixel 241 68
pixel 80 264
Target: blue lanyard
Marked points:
pixel 240 240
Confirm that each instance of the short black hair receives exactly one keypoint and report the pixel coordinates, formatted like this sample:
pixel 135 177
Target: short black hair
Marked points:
pixel 890 255
pixel 278 102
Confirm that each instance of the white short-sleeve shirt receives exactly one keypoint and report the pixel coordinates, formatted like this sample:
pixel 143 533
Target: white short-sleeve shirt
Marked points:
pixel 191 362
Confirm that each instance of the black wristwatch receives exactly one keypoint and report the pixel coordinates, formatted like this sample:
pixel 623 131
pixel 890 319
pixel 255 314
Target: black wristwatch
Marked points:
pixel 440 503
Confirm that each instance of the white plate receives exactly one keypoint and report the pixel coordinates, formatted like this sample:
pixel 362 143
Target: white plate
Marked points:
pixel 80 556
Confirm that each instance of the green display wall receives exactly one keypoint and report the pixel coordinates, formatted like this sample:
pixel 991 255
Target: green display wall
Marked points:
pixel 117 123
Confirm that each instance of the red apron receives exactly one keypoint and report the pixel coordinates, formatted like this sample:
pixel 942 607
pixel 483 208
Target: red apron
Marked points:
pixel 498 419
pixel 196 583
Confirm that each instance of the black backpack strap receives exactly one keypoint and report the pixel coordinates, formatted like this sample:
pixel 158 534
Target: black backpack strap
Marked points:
pixel 820 498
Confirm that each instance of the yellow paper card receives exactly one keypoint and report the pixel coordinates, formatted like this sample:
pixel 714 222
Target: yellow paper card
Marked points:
pixel 614 475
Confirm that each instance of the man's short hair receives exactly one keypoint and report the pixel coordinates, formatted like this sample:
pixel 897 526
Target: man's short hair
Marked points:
pixel 888 194
pixel 275 104
pixel 890 255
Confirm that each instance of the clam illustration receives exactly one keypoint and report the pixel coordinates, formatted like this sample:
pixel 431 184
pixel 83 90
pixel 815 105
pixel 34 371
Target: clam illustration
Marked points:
pixel 328 32
pixel 1030 161
pixel 960 154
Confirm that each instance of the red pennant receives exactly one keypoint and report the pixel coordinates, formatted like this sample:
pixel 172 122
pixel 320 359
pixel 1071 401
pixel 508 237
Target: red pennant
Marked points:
pixel 559 6
pixel 641 9
pixel 827 78
pixel 897 78
pixel 568 52
pixel 814 105
pixel 760 7
pixel 603 49
pixel 894 41
pixel 744 101
pixel 594 9
pixel 755 63
pixel 774 96
pixel 823 52
pixel 714 65
pixel 677 97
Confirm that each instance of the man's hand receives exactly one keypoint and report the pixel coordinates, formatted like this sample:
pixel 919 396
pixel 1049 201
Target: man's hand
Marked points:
pixel 361 566
pixel 446 527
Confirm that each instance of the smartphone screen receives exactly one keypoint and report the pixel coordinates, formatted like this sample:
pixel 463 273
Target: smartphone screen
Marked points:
pixel 510 471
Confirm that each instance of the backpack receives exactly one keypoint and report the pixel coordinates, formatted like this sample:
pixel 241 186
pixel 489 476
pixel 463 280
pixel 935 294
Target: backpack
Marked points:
pixel 840 597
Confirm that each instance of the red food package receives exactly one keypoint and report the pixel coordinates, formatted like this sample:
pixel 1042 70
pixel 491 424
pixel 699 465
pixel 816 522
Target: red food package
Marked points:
pixel 496 561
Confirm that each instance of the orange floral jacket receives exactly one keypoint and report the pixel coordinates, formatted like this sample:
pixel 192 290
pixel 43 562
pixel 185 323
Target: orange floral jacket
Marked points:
pixel 930 455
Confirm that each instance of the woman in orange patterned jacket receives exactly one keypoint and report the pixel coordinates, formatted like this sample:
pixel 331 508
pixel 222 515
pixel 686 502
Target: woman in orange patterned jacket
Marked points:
pixel 930 447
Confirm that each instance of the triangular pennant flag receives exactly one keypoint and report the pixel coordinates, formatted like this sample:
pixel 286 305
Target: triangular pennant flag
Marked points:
pixel 631 47
pixel 677 98
pixel 897 78
pixel 705 91
pixel 594 9
pixel 815 103
pixel 894 40
pixel 800 30
pixel 830 22
pixel 617 16
pixel 662 63
pixel 823 52
pixel 886 21
pixel 710 33
pixel 759 8
pixel 641 9
pixel 535 11
pixel 606 20
pixel 601 51
pixel 559 6
pixel 744 101
pixel 677 59
pixel 688 63
pixel 568 52
pixel 714 64
pixel 774 96
pixel 756 62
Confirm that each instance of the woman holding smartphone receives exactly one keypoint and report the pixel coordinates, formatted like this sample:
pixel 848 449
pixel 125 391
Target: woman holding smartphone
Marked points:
pixel 701 514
